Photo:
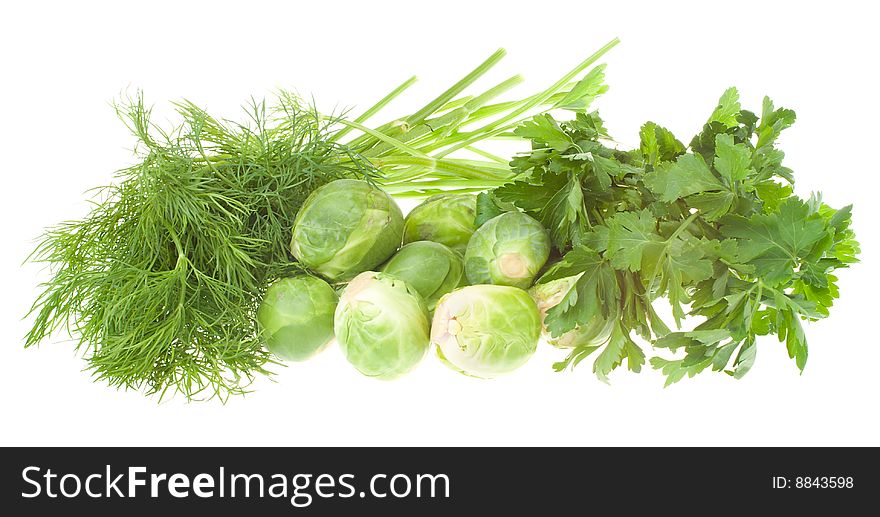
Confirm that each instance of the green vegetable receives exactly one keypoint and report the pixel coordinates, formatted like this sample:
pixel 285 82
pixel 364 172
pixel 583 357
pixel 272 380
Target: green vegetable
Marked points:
pixel 382 325
pixel 508 249
pixel 444 218
pixel 486 330
pixel 430 268
pixel 160 283
pixel 182 270
pixel 713 227
pixel 346 227
pixel 548 295
pixel 296 317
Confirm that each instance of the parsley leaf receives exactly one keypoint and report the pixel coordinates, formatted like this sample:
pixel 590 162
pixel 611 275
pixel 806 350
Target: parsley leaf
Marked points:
pixel 658 144
pixel 630 236
pixel 731 160
pixel 544 132
pixel 688 175
pixel 774 243
pixel 728 108
pixel 594 294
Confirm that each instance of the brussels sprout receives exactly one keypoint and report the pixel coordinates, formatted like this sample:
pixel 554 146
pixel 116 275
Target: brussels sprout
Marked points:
pixel 444 218
pixel 508 249
pixel 381 325
pixel 346 227
pixel 430 267
pixel 486 330
pixel 548 295
pixel 296 317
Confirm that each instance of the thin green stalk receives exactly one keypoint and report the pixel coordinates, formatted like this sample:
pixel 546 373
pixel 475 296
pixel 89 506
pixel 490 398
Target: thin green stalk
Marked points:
pixel 375 108
pixel 421 189
pixel 401 126
pixel 428 164
pixel 456 103
pixel 453 119
pixel 423 193
pixel 393 142
pixel 487 155
pixel 492 110
pixel 455 89
pixel 491 128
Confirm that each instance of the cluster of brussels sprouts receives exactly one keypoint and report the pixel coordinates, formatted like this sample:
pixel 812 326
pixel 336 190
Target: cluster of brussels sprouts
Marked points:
pixel 403 285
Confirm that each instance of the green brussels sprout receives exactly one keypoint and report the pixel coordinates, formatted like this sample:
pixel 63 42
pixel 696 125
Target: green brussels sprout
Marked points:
pixel 486 330
pixel 444 218
pixel 381 325
pixel 548 295
pixel 508 249
pixel 346 227
pixel 430 267
pixel 296 317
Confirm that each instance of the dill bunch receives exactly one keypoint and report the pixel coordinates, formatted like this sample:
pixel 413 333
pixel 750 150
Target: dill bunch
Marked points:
pixel 160 282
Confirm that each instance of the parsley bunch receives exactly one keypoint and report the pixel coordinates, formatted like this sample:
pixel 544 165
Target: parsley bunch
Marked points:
pixel 713 227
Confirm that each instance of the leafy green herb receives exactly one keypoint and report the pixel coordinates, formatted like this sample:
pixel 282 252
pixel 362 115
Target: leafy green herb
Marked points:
pixel 716 230
pixel 160 282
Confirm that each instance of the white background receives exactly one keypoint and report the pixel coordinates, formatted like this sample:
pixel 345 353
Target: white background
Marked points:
pixel 62 64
